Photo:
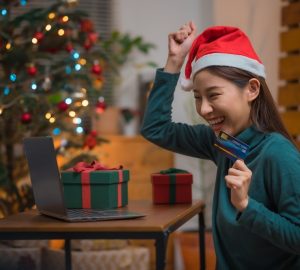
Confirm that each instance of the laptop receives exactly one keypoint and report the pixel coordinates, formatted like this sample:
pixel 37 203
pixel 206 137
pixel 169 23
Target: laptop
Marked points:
pixel 48 189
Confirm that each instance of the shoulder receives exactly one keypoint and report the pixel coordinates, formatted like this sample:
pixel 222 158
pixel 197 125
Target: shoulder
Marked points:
pixel 275 143
pixel 279 152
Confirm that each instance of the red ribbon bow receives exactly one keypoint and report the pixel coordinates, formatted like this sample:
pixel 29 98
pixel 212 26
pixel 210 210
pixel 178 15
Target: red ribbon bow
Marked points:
pixel 93 166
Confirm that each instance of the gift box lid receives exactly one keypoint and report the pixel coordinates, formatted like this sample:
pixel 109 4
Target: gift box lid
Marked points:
pixel 96 177
pixel 164 179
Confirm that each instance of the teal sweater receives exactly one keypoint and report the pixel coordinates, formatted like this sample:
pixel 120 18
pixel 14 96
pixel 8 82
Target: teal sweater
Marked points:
pixel 266 235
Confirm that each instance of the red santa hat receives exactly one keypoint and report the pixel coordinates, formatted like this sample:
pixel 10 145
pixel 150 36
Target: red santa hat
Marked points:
pixel 221 46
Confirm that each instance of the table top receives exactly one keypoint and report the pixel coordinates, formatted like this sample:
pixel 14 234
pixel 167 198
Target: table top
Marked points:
pixel 158 219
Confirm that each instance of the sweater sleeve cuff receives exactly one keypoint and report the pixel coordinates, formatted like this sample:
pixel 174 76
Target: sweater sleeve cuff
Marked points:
pixel 248 216
pixel 162 76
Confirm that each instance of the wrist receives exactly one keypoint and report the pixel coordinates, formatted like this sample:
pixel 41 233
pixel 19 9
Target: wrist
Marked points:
pixel 174 64
pixel 243 205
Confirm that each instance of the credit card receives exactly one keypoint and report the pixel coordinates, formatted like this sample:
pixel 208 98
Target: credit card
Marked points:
pixel 231 147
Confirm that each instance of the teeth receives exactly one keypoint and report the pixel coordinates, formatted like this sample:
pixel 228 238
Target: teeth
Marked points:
pixel 215 121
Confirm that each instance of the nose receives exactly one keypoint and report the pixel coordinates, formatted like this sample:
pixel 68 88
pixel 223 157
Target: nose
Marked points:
pixel 205 108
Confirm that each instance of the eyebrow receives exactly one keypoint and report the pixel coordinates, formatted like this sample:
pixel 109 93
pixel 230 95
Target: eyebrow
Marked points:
pixel 208 89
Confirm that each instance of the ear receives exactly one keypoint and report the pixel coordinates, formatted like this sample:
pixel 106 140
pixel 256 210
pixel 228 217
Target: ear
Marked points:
pixel 253 89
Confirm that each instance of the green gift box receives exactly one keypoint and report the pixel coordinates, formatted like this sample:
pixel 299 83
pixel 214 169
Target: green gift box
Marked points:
pixel 93 188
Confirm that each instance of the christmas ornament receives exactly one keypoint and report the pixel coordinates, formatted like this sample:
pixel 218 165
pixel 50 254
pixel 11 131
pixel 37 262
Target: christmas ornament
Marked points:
pixel 62 106
pixel 87 44
pixel 69 47
pixel 26 118
pixel 96 68
pixel 93 37
pixel 91 140
pixel 86 25
pixel 100 106
pixel 38 35
pixel 31 69
pixel 98 83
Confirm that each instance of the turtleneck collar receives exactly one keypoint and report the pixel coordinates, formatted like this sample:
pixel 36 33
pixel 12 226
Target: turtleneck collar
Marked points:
pixel 251 136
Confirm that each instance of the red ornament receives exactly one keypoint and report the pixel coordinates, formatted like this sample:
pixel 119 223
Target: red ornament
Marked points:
pixel 62 106
pixel 69 47
pixel 91 140
pixel 96 68
pixel 93 37
pixel 26 118
pixel 86 26
pixel 31 70
pixel 87 44
pixel 100 107
pixel 39 36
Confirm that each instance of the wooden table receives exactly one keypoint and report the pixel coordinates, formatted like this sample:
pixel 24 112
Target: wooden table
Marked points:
pixel 159 222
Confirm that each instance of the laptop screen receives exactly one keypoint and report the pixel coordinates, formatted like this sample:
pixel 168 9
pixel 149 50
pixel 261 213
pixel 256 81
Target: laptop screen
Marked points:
pixel 44 174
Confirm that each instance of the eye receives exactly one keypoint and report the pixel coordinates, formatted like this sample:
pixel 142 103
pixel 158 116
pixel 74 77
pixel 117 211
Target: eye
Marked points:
pixel 213 95
pixel 197 97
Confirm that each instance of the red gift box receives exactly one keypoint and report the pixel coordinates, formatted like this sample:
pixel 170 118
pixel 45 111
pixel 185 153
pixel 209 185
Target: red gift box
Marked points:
pixel 172 186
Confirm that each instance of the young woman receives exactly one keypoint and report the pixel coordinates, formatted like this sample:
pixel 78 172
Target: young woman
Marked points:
pixel 256 206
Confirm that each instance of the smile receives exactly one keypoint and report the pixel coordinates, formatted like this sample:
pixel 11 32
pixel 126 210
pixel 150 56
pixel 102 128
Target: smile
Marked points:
pixel 216 121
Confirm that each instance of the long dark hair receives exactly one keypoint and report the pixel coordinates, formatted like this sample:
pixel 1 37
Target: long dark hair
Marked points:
pixel 264 114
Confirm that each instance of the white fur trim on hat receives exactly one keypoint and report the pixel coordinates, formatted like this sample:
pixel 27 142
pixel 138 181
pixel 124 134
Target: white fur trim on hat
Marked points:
pixel 223 59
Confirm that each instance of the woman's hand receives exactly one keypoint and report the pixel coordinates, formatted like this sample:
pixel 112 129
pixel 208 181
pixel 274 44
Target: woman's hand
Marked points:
pixel 179 46
pixel 238 180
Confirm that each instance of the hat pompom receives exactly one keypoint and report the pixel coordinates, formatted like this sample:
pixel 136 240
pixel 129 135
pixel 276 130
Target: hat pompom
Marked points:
pixel 186 84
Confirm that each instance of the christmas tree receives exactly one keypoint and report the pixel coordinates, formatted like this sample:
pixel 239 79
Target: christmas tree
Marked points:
pixel 52 76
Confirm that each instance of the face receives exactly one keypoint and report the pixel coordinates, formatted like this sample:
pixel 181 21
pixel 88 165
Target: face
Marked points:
pixel 221 103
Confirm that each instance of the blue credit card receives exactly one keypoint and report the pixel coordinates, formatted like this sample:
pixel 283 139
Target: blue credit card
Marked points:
pixel 231 147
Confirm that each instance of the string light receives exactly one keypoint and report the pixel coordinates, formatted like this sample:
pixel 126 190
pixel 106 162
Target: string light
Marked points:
pixel 6 91
pixel 68 101
pixel 8 46
pixel 1 110
pixel 33 86
pixel 56 131
pixel 23 2
pixel 48 115
pixel 4 12
pixel 85 103
pixel 82 61
pixel 52 120
pixel 68 70
pixel 72 114
pixel 65 18
pixel 75 55
pixel 77 67
pixel 34 40
pixel 61 32
pixel 79 130
pixel 51 15
pixel 77 120
pixel 13 77
pixel 48 27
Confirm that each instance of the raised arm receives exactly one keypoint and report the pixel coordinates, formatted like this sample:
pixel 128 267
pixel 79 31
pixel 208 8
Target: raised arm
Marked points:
pixel 157 125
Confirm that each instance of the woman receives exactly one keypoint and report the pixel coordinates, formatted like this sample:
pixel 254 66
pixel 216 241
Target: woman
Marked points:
pixel 256 206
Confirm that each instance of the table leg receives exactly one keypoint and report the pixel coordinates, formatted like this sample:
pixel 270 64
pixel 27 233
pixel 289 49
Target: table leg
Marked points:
pixel 202 240
pixel 161 250
pixel 68 255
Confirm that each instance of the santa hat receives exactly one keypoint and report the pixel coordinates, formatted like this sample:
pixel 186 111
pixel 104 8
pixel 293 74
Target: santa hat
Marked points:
pixel 221 46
